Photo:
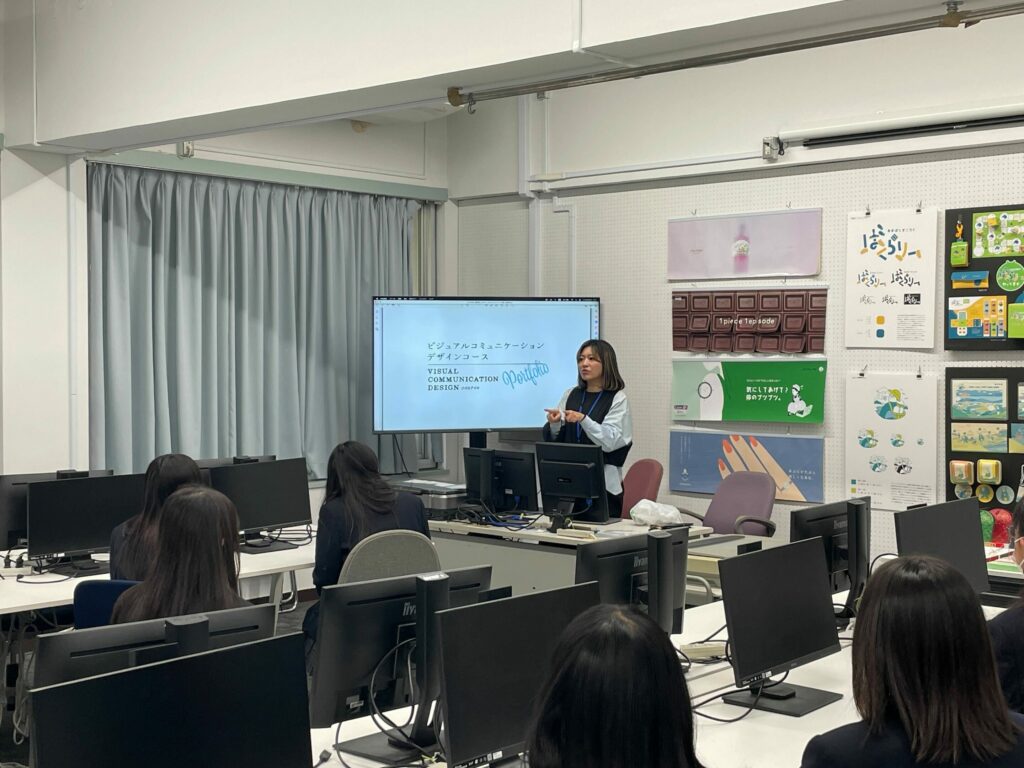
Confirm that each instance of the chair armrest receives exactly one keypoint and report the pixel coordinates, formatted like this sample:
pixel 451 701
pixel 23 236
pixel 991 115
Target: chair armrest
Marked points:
pixel 700 581
pixel 688 513
pixel 768 524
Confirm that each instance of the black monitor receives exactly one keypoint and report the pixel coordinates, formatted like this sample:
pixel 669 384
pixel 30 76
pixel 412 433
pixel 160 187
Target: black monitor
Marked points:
pixel 844 528
pixel 621 568
pixel 495 657
pixel 244 705
pixel 64 656
pixel 951 531
pixel 14 503
pixel 360 625
pixel 269 495
pixel 501 481
pixel 572 482
pixel 75 517
pixel 778 609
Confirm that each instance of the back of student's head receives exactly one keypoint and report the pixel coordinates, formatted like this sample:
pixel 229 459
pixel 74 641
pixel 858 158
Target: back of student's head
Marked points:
pixel 922 657
pixel 615 697
pixel 197 557
pixel 164 475
pixel 353 473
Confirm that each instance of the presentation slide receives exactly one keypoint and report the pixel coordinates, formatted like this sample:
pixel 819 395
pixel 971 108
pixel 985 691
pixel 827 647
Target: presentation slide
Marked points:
pixel 459 365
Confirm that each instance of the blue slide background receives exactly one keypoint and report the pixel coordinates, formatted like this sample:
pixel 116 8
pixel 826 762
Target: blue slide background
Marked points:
pixel 458 365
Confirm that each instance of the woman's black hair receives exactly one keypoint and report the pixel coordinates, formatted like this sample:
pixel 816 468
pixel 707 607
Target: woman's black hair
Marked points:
pixel 354 475
pixel 603 351
pixel 164 475
pixel 615 697
pixel 922 657
pixel 198 559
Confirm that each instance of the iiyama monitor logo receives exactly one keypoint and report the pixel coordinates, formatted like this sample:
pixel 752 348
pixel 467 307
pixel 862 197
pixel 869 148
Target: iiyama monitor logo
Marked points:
pixel 408 609
pixel 639 561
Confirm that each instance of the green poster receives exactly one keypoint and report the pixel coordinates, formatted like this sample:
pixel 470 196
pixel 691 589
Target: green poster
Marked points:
pixel 786 391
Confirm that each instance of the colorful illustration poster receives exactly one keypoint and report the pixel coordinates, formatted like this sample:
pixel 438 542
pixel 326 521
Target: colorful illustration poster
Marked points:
pixel 786 391
pixel 976 317
pixel 1016 438
pixel 890 279
pixel 997 234
pixel 978 399
pixel 977 438
pixel 891 446
pixel 771 244
pixel 699 459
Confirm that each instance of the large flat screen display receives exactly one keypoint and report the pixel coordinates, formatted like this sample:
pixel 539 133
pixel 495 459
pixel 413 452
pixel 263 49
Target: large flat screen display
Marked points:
pixel 466 364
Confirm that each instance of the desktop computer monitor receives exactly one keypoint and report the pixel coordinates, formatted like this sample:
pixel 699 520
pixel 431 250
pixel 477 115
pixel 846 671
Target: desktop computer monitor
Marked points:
pixel 75 517
pixel 844 528
pixel 572 481
pixel 14 503
pixel 65 656
pixel 269 495
pixel 244 705
pixel 627 571
pixel 501 481
pixel 778 609
pixel 495 657
pixel 951 531
pixel 356 667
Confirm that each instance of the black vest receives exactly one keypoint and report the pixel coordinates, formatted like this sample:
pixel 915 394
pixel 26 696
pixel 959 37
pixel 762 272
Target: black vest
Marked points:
pixel 584 402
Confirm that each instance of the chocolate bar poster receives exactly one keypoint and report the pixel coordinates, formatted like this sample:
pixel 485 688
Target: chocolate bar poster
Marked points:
pixel 699 459
pixel 767 244
pixel 769 321
pixel 891 444
pixel 890 279
pixel 780 391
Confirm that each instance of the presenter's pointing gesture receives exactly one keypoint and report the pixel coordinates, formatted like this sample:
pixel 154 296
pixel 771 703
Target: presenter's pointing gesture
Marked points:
pixel 574 416
pixel 554 415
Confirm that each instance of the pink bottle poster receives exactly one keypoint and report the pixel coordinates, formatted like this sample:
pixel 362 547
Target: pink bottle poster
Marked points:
pixel 771 244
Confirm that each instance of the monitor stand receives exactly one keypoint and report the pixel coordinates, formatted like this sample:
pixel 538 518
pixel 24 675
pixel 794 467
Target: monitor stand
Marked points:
pixel 80 565
pixel 255 544
pixel 792 700
pixel 382 748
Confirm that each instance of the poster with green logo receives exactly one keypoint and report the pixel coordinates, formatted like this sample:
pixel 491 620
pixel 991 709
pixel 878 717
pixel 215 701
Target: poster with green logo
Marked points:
pixel 781 391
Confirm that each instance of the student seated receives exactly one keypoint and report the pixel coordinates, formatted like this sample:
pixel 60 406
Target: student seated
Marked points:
pixel 197 560
pixel 358 502
pixel 133 547
pixel 615 697
pixel 924 680
pixel 1007 629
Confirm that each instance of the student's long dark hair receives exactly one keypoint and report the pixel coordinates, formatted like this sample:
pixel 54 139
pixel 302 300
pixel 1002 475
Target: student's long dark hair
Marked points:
pixel 353 475
pixel 615 697
pixel 198 556
pixel 164 475
pixel 922 656
pixel 603 351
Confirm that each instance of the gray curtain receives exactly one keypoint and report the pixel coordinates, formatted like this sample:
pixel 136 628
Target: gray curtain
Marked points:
pixel 233 317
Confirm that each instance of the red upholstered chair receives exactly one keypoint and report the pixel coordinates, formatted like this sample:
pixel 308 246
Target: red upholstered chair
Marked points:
pixel 642 481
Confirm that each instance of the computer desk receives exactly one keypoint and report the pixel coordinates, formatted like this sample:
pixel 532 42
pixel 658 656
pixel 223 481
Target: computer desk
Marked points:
pixel 528 559
pixel 760 740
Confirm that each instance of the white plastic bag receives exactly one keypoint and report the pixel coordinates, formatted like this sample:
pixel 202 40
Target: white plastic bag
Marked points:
pixel 647 512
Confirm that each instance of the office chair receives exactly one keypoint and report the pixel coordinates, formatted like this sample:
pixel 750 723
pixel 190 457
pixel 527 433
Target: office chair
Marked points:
pixel 742 504
pixel 390 553
pixel 93 601
pixel 642 481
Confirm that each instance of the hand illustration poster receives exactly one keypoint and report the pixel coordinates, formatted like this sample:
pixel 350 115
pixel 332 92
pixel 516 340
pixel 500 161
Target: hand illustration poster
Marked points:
pixel 782 391
pixel 890 279
pixel 769 244
pixel 891 443
pixel 699 459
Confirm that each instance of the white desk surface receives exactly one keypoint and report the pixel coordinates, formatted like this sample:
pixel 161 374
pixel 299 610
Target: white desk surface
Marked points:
pixel 538 532
pixel 48 590
pixel 760 740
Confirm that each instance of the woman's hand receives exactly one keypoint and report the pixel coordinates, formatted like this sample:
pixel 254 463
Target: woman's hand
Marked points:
pixel 574 416
pixel 554 415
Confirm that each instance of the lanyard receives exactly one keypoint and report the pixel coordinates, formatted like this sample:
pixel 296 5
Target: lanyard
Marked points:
pixel 579 424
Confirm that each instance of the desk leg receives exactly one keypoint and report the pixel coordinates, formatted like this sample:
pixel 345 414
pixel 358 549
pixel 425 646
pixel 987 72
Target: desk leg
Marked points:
pixel 276 583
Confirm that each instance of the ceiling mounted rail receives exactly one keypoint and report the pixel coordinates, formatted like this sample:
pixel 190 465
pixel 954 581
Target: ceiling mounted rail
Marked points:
pixel 953 17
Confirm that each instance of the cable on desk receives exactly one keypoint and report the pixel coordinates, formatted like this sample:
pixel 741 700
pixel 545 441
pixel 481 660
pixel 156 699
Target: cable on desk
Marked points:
pixel 750 709
pixel 41 570
pixel 684 660
pixel 884 554
pixel 710 637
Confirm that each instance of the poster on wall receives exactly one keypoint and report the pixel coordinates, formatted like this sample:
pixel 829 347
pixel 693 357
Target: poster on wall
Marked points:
pixel 699 459
pixel 891 443
pixel 984 278
pixel 768 244
pixel 765 320
pixel 890 279
pixel 780 391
